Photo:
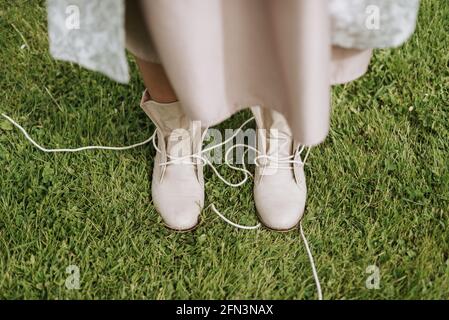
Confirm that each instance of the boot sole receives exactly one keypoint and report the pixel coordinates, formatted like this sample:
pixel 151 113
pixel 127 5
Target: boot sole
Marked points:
pixel 279 230
pixel 182 230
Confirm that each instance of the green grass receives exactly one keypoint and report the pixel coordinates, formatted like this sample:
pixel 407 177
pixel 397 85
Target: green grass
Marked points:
pixel 378 186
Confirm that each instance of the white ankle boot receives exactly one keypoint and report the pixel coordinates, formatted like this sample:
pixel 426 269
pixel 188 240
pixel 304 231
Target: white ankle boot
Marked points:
pixel 178 184
pixel 279 184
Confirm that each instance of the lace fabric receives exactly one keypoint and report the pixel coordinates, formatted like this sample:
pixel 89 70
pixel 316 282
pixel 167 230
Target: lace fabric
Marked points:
pixel 90 33
pixel 366 24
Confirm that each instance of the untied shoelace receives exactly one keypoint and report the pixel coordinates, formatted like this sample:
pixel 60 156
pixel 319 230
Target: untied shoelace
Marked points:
pixel 265 160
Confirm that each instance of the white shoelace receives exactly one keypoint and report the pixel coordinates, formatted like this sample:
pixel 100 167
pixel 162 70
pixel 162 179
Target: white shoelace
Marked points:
pixel 274 162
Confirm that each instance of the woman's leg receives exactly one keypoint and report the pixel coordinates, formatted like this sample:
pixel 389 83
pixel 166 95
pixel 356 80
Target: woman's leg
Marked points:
pixel 156 81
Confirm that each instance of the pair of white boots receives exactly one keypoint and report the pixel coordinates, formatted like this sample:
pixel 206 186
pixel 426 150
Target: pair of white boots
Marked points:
pixel 178 183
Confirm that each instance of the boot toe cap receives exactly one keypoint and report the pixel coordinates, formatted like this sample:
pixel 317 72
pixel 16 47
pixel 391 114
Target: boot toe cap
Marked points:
pixel 280 210
pixel 180 208
pixel 179 198
pixel 280 217
pixel 180 218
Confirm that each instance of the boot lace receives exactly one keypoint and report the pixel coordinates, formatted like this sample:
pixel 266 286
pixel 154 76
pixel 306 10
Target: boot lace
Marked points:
pixel 265 160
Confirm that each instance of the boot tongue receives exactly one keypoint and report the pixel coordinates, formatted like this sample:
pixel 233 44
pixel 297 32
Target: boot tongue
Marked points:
pixel 175 128
pixel 179 144
pixel 275 141
pixel 178 138
pixel 280 144
pixel 279 137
